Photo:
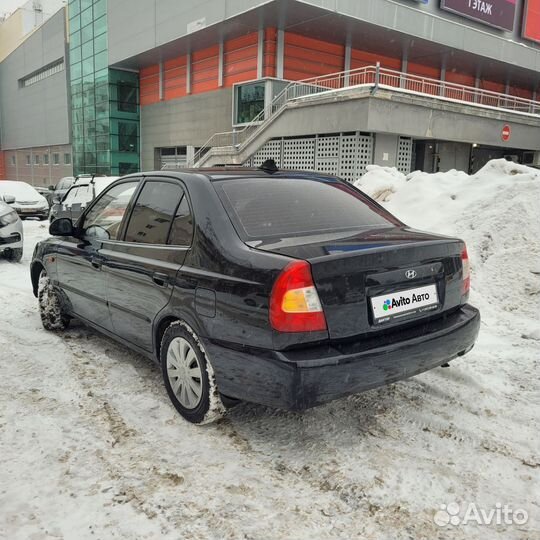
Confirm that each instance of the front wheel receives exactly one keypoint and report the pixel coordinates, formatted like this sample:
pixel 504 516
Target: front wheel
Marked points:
pixel 189 376
pixel 50 305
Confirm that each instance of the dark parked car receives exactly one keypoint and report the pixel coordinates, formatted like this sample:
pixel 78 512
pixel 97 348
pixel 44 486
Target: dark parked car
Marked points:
pixel 286 288
pixel 79 196
pixel 57 192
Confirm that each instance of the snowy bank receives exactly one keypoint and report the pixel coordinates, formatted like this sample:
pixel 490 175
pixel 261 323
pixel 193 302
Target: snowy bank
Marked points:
pixel 495 211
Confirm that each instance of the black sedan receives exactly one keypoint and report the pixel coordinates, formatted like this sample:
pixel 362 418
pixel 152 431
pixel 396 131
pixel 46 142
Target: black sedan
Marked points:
pixel 288 289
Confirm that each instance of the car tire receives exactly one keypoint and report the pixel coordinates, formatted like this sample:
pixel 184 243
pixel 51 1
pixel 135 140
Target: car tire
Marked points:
pixel 188 375
pixel 14 254
pixel 50 305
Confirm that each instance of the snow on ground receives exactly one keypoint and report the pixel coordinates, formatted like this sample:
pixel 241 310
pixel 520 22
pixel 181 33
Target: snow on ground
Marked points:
pixel 91 448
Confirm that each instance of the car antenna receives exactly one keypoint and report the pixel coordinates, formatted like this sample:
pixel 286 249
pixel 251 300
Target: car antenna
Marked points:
pixel 269 166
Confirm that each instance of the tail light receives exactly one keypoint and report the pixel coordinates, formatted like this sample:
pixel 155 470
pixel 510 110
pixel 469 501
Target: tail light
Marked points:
pixel 466 283
pixel 294 302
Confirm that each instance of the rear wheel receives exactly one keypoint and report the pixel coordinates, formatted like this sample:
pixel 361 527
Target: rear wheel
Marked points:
pixel 189 376
pixel 14 254
pixel 50 305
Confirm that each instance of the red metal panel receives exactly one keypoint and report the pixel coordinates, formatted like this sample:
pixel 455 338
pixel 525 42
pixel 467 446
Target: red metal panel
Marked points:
pixel 174 77
pixel 149 85
pixel 363 58
pixel 240 59
pixel 531 20
pixel 307 57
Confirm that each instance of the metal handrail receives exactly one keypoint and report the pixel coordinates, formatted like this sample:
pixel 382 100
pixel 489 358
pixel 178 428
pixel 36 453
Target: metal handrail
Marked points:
pixel 375 77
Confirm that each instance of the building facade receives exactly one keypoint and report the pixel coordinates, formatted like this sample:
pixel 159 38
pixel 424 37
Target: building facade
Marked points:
pixel 430 84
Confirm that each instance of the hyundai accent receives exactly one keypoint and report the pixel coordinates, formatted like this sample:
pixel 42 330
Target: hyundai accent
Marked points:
pixel 288 289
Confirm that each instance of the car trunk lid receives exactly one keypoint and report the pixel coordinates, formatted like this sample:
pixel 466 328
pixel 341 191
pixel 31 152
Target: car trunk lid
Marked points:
pixel 415 274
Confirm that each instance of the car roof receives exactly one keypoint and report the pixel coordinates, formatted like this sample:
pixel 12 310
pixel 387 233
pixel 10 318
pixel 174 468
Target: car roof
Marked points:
pixel 232 173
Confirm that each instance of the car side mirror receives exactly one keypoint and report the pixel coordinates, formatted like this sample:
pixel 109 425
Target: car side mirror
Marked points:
pixel 51 188
pixel 62 227
pixel 9 199
pixel 56 199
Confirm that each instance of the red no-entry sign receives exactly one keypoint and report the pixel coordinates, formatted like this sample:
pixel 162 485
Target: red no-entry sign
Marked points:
pixel 506 132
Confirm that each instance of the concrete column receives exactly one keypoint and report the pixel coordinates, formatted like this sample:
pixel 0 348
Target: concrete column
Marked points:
pixel 188 73
pixel 260 54
pixel 347 64
pixel 220 63
pixel 280 54
pixel 161 80
pixel 443 74
pixel 404 64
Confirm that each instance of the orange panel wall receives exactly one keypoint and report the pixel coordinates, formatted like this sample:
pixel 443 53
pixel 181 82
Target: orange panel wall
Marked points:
pixel 307 57
pixel 363 58
pixel 204 70
pixel 174 77
pixel 304 57
pixel 270 48
pixel 525 93
pixel 149 85
pixel 240 59
pixel 455 76
pixel 423 70
pixel 492 86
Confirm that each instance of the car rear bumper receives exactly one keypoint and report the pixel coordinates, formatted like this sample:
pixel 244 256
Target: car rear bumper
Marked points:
pixel 303 378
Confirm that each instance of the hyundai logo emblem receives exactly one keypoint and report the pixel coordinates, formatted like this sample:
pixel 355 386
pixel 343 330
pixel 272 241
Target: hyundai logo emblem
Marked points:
pixel 410 274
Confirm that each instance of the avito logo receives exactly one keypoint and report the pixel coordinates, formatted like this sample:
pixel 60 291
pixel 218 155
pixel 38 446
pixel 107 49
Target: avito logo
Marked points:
pixel 404 301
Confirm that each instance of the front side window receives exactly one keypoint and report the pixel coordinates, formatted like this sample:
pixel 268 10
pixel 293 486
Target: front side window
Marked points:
pixel 104 218
pixel 154 212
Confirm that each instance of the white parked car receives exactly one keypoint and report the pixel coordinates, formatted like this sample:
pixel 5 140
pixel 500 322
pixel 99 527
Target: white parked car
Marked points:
pixel 79 196
pixel 24 199
pixel 11 233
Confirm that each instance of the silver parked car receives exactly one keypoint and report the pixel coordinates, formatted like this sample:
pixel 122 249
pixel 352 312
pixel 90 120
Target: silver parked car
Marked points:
pixel 11 233
pixel 24 199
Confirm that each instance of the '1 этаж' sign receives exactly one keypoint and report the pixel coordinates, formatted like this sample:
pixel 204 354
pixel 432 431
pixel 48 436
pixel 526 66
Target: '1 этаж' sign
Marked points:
pixel 498 13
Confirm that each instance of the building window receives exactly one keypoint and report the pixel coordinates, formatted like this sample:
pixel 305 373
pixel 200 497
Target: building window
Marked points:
pixel 67 159
pixel 45 159
pixel 43 73
pixel 127 98
pixel 56 159
pixel 28 162
pixel 13 160
pixel 36 159
pixel 249 101
pixel 127 137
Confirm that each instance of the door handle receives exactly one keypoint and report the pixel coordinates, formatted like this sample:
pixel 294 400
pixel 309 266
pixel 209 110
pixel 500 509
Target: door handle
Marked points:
pixel 160 279
pixel 96 263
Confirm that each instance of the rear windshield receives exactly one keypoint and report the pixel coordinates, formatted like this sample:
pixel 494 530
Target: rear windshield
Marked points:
pixel 284 207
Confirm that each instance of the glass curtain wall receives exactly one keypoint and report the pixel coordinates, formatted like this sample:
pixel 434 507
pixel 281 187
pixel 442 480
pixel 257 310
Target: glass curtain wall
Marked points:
pixel 104 102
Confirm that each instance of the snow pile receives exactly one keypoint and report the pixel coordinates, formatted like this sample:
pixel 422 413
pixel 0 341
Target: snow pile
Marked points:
pixel 495 211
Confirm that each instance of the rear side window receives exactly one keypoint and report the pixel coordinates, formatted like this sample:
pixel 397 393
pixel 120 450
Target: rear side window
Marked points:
pixel 154 212
pixel 281 207
pixel 182 227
